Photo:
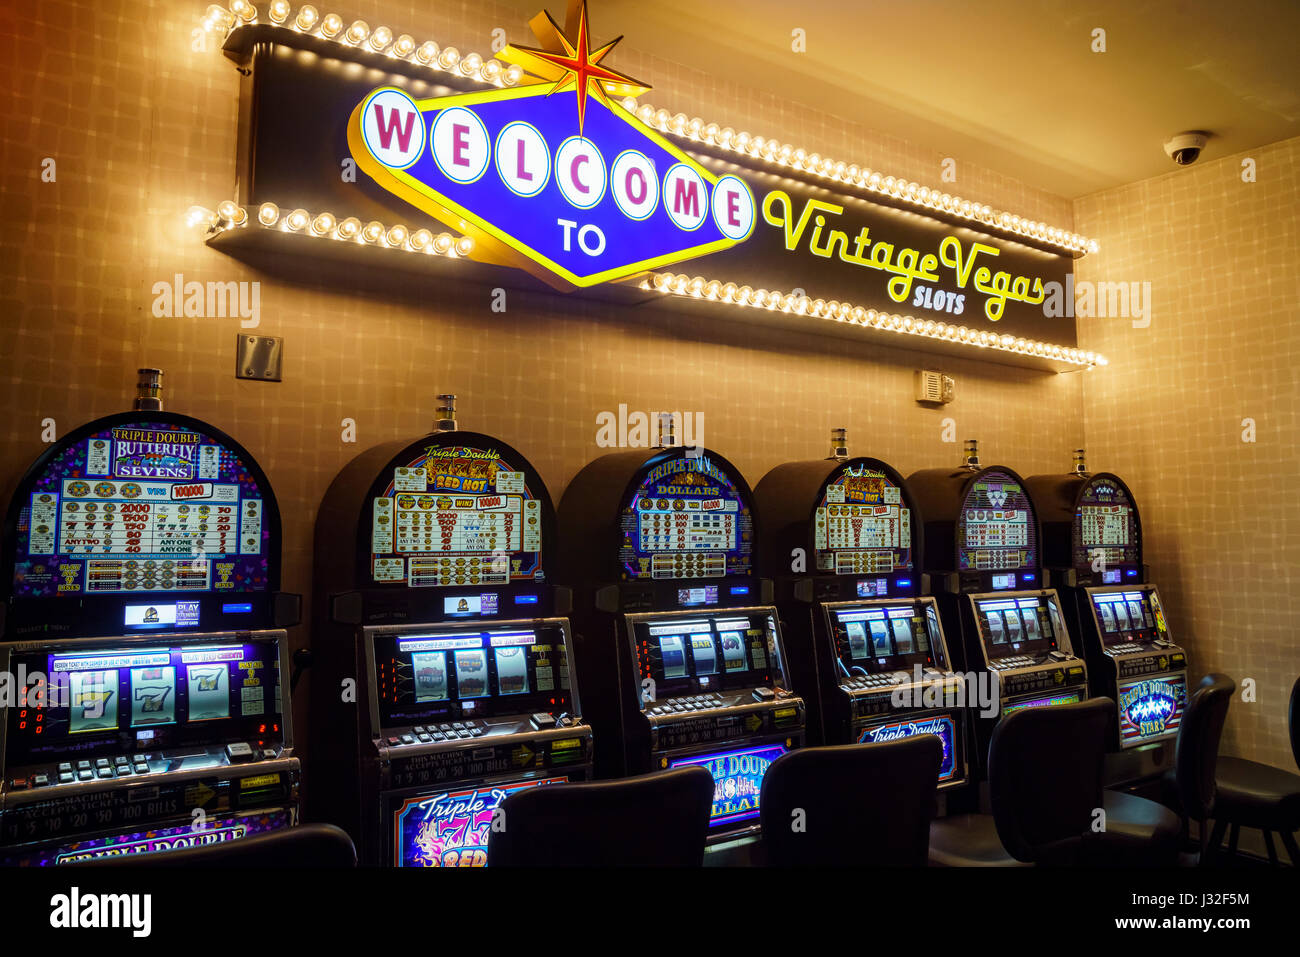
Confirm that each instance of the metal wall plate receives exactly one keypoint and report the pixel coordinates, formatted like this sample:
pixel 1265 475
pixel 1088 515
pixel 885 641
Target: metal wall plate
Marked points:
pixel 258 357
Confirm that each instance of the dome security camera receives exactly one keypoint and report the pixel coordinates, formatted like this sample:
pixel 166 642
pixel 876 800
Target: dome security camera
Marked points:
pixel 1185 148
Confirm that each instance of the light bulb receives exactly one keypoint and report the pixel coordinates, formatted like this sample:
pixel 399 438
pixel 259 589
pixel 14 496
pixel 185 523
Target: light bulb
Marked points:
pixel 296 220
pixel 268 214
pixel 331 25
pixel 232 213
pixel 278 11
pixel 380 39
pixel 307 18
pixel 427 52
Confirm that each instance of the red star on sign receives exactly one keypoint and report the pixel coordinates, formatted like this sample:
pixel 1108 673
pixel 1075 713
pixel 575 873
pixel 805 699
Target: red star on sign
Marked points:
pixel 572 63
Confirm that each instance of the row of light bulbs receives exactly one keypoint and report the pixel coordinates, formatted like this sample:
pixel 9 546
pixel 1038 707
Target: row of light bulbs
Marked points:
pixel 324 225
pixel 713 290
pixel 897 188
pixel 331 26
pixel 230 215
pixel 472 65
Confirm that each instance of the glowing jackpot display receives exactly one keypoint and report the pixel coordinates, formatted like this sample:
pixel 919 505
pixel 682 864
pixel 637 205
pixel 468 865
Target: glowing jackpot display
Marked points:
pixel 1105 529
pixel 686 519
pixel 861 525
pixel 996 530
pixel 140 508
pixel 453 516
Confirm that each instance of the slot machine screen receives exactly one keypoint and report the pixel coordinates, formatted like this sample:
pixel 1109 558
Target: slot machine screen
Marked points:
pixel 861 525
pixel 996 529
pixel 457 517
pixel 453 675
pixel 718 652
pixel 140 509
pixel 686 518
pixel 115 700
pixel 1129 616
pixel 1105 532
pixel 882 637
pixel 1017 625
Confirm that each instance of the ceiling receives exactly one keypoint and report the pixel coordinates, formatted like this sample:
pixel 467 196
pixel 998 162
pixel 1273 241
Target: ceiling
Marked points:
pixel 1011 85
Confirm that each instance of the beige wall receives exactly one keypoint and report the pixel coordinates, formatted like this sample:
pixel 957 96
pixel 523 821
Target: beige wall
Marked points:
pixel 1221 515
pixel 141 128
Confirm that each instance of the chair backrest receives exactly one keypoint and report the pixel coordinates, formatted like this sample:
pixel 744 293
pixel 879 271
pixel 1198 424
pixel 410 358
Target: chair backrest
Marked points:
pixel 1197 751
pixel 1293 721
pixel 861 805
pixel 307 845
pixel 652 820
pixel 1045 777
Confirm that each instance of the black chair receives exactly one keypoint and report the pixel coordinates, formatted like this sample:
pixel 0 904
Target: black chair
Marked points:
pixel 1045 784
pixel 314 846
pixel 653 820
pixel 1190 784
pixel 1045 788
pixel 861 805
pixel 1259 795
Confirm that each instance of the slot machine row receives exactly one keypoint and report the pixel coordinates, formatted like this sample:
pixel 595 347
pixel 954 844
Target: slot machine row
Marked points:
pixel 202 730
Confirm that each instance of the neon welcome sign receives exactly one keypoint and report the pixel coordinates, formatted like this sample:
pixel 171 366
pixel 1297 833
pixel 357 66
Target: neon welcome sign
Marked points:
pixel 557 170
pixel 552 176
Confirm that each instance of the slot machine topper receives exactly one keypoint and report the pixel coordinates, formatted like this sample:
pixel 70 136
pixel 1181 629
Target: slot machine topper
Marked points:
pixel 144 622
pixel 434 597
pixel 1092 541
pixel 679 646
pixel 981 546
pixel 865 647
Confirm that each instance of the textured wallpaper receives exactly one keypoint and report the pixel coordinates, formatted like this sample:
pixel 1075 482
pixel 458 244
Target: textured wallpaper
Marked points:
pixel 1199 411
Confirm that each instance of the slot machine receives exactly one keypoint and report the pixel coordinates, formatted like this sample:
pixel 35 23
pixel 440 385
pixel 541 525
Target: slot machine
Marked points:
pixel 865 647
pixel 679 646
pixel 1092 541
pixel 435 601
pixel 146 633
pixel 982 554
